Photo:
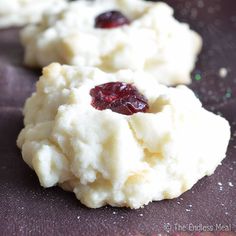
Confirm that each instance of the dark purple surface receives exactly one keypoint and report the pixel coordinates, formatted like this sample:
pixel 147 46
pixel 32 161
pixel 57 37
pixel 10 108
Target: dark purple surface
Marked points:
pixel 26 208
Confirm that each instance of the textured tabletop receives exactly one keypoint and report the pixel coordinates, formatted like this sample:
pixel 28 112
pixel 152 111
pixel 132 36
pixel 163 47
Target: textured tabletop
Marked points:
pixel 26 208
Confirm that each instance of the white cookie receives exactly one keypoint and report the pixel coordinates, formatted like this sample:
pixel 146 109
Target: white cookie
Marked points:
pixel 108 158
pixel 22 12
pixel 154 41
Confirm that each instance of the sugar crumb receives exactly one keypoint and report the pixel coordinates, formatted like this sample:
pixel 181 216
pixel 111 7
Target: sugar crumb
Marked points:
pixel 223 72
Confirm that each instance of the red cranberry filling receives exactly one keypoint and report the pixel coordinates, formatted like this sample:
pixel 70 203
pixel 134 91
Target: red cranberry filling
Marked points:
pixel 119 97
pixel 111 19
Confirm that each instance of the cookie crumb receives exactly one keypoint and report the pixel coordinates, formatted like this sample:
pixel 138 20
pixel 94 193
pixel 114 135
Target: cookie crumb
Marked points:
pixel 223 72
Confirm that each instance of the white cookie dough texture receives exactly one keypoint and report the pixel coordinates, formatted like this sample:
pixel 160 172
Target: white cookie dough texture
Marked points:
pixel 109 158
pixel 22 12
pixel 154 41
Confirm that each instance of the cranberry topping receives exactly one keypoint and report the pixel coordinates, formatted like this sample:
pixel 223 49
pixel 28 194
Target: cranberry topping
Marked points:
pixel 119 97
pixel 111 19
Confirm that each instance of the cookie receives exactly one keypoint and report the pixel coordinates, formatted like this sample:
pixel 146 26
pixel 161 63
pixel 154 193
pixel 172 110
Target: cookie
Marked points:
pixel 114 35
pixel 22 12
pixel 118 138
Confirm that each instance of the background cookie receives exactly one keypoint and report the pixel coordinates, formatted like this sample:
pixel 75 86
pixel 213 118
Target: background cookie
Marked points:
pixel 22 12
pixel 142 35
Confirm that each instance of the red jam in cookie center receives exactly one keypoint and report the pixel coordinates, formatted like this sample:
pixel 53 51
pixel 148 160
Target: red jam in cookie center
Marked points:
pixel 111 19
pixel 120 97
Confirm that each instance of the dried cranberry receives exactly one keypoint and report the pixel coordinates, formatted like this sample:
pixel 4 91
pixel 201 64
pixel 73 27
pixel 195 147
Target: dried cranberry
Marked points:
pixel 111 19
pixel 119 97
